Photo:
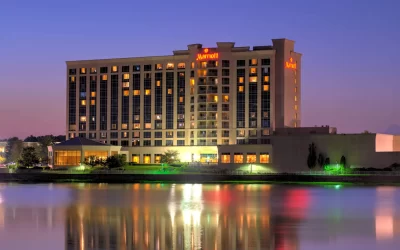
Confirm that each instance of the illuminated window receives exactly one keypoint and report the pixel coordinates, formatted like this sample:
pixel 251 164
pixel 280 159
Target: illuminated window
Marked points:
pixel 238 158
pixel 92 102
pixel 225 98
pixel 83 119
pixel 169 91
pixel 295 116
pixel 147 91
pixel 146 158
pixel 104 77
pixel 158 83
pixel 125 84
pixel 295 124
pixel 147 126
pixel 170 66
pixel 125 134
pixel 192 91
pixel 295 98
pixel 225 158
pixel 181 99
pixel 67 158
pixel 264 158
pixel 159 66
pixel 136 92
pixel 253 70
pixel 253 79
pixel 83 70
pixel 93 70
pixel 251 158
pixel 157 158
pixel 126 76
pixel 295 107
pixel 215 98
pixel 192 65
pixel 83 102
pixel 124 126
pixel 204 64
pixel 192 81
pixel 136 134
pixel 93 94
pixel 240 133
pixel 126 92
pixel 266 78
pixel 181 65
pixel 136 126
pixel 135 158
pixel 241 79
pixel 136 117
pixel 253 62
pixel 158 117
pixel 266 87
pixel 114 69
pixel 72 78
pixel 241 88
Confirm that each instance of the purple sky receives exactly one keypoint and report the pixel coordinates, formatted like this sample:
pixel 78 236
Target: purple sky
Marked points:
pixel 350 51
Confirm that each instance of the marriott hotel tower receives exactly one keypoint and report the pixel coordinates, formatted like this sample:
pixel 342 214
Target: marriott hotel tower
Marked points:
pixel 191 101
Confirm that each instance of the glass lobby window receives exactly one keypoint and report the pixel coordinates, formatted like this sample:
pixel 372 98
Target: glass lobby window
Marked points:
pixel 253 62
pixel 225 158
pixel 82 70
pixel 146 158
pixel 157 158
pixel 170 66
pixel 114 69
pixel 264 158
pixel 93 70
pixel 135 158
pixel 253 79
pixel 98 154
pixel 251 158
pixel 238 158
pixel 181 65
pixel 67 158
pixel 158 66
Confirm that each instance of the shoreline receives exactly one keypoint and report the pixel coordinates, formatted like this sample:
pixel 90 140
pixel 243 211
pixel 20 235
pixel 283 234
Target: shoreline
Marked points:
pixel 197 178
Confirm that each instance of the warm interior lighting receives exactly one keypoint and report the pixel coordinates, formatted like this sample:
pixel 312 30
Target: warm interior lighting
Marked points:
pixel 266 78
pixel 295 89
pixel 83 70
pixel 181 65
pixel 181 99
pixel 126 92
pixel 83 119
pixel 264 158
pixel 136 92
pixel 170 66
pixel 83 102
pixel 169 91
pixel 215 98
pixel 147 125
pixel 136 126
pixel 158 83
pixel 159 66
pixel 135 158
pixel 146 159
pixel 124 126
pixel 114 68
pixel 125 84
pixel 93 70
pixel 72 78
pixel 251 158
pixel 92 102
pixel 266 87
pixel 97 154
pixel 241 79
pixel 295 107
pixel 238 158
pixel 225 98
pixel 104 77
pixel 126 76
pixel 67 158
pixel 253 70
pixel 192 65
pixel 93 94
pixel 225 158
pixel 241 88
pixel 147 91
pixel 253 79
pixel 192 81
pixel 295 98
pixel 253 62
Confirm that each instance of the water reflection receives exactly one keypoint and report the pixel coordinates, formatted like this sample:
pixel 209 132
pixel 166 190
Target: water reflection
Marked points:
pixel 195 216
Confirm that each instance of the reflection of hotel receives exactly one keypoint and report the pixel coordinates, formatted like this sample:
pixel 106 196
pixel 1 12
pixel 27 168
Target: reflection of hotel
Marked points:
pixel 197 98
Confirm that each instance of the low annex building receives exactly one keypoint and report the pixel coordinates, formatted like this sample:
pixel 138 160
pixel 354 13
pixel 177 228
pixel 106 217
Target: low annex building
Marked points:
pixel 73 152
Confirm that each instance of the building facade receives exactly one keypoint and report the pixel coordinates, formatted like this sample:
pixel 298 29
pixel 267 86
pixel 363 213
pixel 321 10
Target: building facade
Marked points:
pixel 190 101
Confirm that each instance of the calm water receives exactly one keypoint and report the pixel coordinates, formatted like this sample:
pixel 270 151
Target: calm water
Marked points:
pixel 169 216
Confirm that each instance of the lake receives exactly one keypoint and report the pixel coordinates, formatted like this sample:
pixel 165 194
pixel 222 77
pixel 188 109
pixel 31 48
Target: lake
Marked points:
pixel 196 216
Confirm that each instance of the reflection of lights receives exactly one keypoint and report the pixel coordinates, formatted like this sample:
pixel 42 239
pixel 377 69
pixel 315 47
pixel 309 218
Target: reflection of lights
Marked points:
pixel 384 227
pixel 384 213
pixel 1 199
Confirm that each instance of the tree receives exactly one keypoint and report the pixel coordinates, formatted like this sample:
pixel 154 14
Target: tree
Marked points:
pixel 2 159
pixel 327 162
pixel 170 156
pixel 13 149
pixel 92 161
pixel 321 160
pixel 116 161
pixel 312 156
pixel 343 161
pixel 29 157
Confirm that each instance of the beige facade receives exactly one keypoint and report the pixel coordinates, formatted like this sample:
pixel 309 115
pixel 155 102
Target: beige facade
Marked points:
pixel 194 99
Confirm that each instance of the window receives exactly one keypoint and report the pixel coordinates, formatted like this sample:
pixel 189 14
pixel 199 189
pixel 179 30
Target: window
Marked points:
pixel 253 133
pixel 264 158
pixel 238 158
pixel 158 117
pixel 169 91
pixel 253 79
pixel 136 92
pixel 295 107
pixel 253 71
pixel 72 79
pixel 137 117
pixel 157 158
pixel 241 80
pixel 83 102
pixel 93 70
pixel 265 132
pixel 181 99
pixel 136 134
pixel 295 98
pixel 225 98
pixel 240 133
pixel 170 66
pixel 124 134
pixel 103 70
pixel 225 63
pixel 135 158
pixel 181 65
pixel 295 89
pixel 253 62
pixel 265 61
pixel 181 134
pixel 125 84
pixel 158 143
pixel 192 65
pixel 180 142
pixel 125 69
pixel 104 77
pixel 114 69
pixel 147 126
pixel 147 143
pixel 158 66
pixel 136 126
pixel 240 63
pixel 158 83
pixel 83 119
pixel 124 126
pixel 265 114
pixel 72 71
pixel 67 158
pixel 126 92
pixel 82 70
pixel 147 91
pixel 126 76
pixel 266 87
pixel 136 68
pixel 266 78
pixel 147 67
pixel 225 158
pixel 225 72
pixel 147 135
pixel 93 94
pixel 241 88
pixel 251 158
pixel 92 102
pixel 169 142
pixel 169 134
pixel 191 82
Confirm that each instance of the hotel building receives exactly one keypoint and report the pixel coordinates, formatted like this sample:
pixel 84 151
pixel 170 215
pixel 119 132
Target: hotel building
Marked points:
pixel 190 101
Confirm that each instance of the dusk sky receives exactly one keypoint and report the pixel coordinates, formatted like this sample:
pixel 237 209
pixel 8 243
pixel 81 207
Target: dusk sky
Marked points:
pixel 350 51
